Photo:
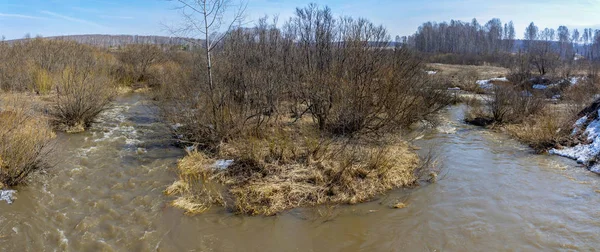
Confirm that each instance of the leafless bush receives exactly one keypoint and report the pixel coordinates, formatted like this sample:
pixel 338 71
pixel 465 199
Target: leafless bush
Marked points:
pixel 82 91
pixel 506 105
pixel 25 141
pixel 137 60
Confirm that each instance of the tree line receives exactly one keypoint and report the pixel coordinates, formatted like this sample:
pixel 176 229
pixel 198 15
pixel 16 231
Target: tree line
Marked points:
pixel 458 37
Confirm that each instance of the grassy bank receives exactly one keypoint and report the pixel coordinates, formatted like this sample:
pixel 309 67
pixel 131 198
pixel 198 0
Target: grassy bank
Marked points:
pixel 532 119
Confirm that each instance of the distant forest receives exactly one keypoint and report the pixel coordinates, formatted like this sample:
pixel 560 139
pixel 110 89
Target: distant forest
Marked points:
pixel 454 37
pixel 108 41
pixel 457 37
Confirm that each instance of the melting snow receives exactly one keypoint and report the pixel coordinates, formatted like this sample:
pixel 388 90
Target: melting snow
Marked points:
pixel 539 86
pixel 223 164
pixel 176 126
pixel 584 153
pixel 486 84
pixel 7 195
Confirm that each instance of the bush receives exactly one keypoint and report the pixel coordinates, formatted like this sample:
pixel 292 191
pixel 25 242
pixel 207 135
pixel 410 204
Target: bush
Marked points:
pixel 25 141
pixel 505 105
pixel 137 60
pixel 385 100
pixel 42 81
pixel 83 90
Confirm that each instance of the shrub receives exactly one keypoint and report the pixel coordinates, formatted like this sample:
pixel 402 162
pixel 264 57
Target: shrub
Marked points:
pixel 137 59
pixel 81 95
pixel 42 81
pixel 25 141
pixel 383 100
pixel 506 105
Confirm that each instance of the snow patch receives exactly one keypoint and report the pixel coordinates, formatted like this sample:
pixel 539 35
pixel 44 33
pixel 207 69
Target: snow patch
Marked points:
pixel 575 80
pixel 487 84
pixel 584 153
pixel 7 195
pixel 539 86
pixel 223 163
pixel 176 126
pixel 431 72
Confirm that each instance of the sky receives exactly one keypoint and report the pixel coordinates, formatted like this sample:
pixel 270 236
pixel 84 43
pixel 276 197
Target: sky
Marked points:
pixel 400 17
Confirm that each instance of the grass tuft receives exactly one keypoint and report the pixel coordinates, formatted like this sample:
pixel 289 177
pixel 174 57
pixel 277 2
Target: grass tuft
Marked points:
pixel 270 176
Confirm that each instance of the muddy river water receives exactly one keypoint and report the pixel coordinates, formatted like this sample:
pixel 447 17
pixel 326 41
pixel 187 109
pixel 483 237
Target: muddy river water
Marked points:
pixel 106 194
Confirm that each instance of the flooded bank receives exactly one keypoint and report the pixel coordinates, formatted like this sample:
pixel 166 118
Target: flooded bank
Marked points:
pixel 106 194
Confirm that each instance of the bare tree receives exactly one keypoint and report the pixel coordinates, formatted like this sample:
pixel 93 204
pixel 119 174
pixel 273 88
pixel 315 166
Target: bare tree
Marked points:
pixel 531 34
pixel 212 21
pixel 205 18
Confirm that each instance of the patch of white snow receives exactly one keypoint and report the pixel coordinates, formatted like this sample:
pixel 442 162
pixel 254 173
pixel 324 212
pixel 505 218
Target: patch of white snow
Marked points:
pixel 7 195
pixel 223 164
pixel 486 84
pixel 584 153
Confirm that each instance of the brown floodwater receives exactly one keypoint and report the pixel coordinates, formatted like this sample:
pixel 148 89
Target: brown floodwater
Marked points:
pixel 105 194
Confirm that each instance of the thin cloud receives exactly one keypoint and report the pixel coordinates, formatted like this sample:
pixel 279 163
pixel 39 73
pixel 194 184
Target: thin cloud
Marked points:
pixel 11 15
pixel 115 17
pixel 71 18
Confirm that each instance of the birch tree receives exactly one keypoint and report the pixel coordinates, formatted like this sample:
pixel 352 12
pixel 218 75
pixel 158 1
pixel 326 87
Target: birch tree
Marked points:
pixel 210 21
pixel 206 19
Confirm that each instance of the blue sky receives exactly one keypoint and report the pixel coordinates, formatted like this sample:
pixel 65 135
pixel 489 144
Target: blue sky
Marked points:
pixel 401 17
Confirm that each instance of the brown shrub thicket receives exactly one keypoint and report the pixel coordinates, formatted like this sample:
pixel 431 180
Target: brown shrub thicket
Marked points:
pixel 328 72
pixel 25 141
pixel 137 60
pixel 292 106
pixel 83 89
pixel 506 104
pixel 78 78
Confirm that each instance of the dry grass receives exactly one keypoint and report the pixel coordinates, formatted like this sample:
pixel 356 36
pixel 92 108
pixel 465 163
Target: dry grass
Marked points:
pixel 545 130
pixel 484 72
pixel 25 138
pixel 466 76
pixel 280 171
pixel 196 193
